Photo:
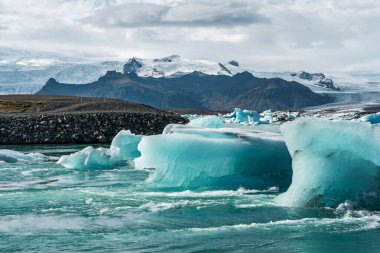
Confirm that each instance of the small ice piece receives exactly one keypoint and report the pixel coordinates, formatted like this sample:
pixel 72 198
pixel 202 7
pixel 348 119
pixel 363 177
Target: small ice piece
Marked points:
pixel 372 118
pixel 240 116
pixel 266 117
pixel 123 148
pixel 88 158
pixel 207 122
pixel 190 157
pixel 12 156
pixel 333 161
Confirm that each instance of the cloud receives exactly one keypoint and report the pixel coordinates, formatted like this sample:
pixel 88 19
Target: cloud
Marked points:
pixel 267 35
pixel 194 14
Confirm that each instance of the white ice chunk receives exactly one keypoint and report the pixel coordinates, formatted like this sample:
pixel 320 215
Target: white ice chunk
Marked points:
pixel 11 156
pixel 196 157
pixel 240 116
pixel 123 148
pixel 87 158
pixel 333 161
pixel 248 117
pixel 207 122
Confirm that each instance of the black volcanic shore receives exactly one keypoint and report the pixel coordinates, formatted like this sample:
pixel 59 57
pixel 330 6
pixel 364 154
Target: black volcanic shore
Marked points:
pixel 66 120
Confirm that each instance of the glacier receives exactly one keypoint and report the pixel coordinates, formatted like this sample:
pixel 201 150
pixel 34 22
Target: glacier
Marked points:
pixel 333 162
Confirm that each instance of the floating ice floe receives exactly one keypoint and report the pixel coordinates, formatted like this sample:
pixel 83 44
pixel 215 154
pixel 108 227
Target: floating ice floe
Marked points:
pixel 123 148
pixel 11 156
pixel 333 161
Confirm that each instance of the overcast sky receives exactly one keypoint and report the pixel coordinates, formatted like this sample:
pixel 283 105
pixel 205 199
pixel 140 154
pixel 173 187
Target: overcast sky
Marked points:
pixel 265 35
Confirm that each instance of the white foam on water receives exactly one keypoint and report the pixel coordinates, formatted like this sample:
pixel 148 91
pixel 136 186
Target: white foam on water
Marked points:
pixel 29 224
pixel 349 222
pixel 207 194
pixel 163 206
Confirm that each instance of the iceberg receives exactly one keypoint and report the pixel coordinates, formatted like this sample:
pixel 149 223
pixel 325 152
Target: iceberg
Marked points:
pixel 123 148
pixel 12 156
pixel 88 158
pixel 185 156
pixel 191 157
pixel 240 116
pixel 248 117
pixel 333 162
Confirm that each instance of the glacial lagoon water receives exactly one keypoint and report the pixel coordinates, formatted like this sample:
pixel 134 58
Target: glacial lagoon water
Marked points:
pixel 47 208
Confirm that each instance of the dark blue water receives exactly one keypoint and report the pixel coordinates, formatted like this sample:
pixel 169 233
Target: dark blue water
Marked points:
pixel 47 208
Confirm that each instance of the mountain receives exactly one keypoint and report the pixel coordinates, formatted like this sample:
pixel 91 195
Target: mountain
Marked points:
pixel 311 80
pixel 175 65
pixel 195 90
pixel 26 71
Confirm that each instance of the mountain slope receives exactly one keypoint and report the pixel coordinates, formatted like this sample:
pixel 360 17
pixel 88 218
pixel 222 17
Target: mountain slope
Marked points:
pixel 175 65
pixel 26 72
pixel 195 90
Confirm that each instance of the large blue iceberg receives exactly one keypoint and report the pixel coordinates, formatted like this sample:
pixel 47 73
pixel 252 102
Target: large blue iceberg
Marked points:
pixel 193 157
pixel 333 162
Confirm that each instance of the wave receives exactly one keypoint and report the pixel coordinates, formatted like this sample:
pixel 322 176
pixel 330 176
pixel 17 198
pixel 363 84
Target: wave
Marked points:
pixel 207 194
pixel 350 222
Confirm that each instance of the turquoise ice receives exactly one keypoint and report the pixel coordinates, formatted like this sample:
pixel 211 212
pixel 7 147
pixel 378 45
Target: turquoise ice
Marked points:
pixel 207 122
pixel 192 157
pixel 123 148
pixel 371 118
pixel 333 161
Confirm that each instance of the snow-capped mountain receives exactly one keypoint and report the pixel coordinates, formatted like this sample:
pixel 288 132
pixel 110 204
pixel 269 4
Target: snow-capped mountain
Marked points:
pixel 315 81
pixel 175 65
pixel 26 71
